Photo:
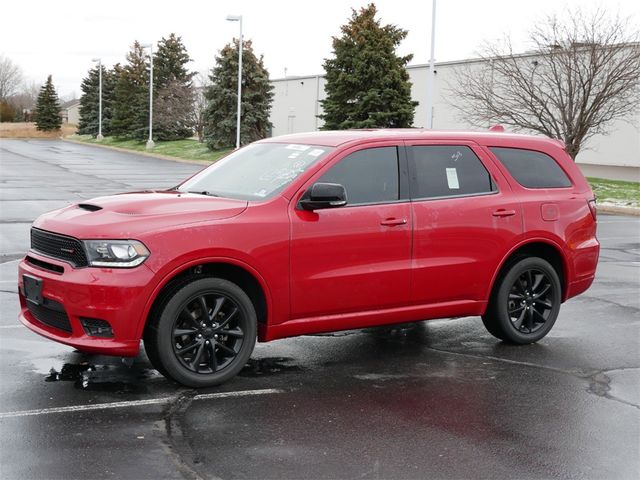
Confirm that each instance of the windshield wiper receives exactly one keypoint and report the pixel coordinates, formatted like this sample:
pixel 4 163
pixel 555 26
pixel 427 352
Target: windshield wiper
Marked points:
pixel 203 192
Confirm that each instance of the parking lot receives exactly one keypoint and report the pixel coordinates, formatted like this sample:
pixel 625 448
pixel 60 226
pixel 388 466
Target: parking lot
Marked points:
pixel 437 399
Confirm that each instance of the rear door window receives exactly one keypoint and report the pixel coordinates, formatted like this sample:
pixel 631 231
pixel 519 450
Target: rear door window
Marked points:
pixel 447 171
pixel 532 169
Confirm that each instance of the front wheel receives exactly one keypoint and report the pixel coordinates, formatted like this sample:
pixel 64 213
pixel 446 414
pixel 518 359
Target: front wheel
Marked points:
pixel 526 303
pixel 204 334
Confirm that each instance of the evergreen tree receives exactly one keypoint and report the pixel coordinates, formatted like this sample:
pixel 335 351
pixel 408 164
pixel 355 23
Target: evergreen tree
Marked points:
pixel 89 101
pixel 130 117
pixel 173 105
pixel 48 108
pixel 367 83
pixel 19 116
pixel 222 94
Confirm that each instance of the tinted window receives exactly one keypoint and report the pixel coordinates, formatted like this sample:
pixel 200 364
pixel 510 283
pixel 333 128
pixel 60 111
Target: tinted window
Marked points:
pixel 369 176
pixel 532 169
pixel 444 171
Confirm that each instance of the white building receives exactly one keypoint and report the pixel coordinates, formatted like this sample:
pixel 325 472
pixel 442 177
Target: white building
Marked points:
pixel 296 106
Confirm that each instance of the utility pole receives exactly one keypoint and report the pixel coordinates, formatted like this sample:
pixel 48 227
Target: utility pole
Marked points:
pixel 238 18
pixel 432 72
pixel 99 60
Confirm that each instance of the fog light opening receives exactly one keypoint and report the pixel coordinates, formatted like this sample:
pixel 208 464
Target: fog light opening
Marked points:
pixel 94 327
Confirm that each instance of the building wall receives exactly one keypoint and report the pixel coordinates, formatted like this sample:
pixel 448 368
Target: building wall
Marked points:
pixel 296 106
pixel 73 114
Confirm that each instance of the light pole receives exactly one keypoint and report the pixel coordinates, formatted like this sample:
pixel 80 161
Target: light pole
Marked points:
pixel 431 77
pixel 150 143
pixel 99 60
pixel 238 18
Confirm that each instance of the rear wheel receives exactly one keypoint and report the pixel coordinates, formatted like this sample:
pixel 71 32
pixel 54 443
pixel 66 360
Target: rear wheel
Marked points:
pixel 526 303
pixel 204 334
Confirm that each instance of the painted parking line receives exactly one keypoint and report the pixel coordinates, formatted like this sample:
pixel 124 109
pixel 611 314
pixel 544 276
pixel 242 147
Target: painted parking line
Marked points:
pixel 136 403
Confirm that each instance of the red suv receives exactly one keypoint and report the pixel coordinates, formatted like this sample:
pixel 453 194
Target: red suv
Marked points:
pixel 313 233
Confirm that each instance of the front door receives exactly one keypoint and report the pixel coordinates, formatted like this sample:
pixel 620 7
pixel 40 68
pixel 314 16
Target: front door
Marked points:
pixel 356 257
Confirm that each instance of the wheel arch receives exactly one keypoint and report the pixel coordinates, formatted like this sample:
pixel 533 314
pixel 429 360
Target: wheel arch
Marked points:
pixel 235 271
pixel 542 248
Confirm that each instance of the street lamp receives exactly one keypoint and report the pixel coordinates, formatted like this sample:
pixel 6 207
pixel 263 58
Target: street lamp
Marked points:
pixel 99 60
pixel 150 143
pixel 238 18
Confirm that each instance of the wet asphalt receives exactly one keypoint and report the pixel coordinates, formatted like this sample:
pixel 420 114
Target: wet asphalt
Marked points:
pixel 437 399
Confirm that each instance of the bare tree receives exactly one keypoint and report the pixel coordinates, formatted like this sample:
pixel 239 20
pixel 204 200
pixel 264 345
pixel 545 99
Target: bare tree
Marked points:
pixel 583 73
pixel 10 77
pixel 172 109
pixel 200 104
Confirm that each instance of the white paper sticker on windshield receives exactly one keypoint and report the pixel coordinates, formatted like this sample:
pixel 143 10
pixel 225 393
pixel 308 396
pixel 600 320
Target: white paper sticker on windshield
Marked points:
pixel 294 155
pixel 316 152
pixel 452 178
pixel 300 148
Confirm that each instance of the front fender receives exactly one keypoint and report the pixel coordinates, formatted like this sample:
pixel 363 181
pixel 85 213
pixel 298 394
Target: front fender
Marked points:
pixel 180 265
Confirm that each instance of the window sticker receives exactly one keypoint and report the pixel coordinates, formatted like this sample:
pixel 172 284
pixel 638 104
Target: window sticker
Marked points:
pixel 294 155
pixel 456 156
pixel 300 148
pixel 316 152
pixel 452 179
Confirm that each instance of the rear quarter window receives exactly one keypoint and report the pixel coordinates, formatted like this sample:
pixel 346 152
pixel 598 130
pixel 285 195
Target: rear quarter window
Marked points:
pixel 532 169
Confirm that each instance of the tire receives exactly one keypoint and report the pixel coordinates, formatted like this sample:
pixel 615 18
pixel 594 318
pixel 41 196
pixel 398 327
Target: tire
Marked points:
pixel 197 349
pixel 525 304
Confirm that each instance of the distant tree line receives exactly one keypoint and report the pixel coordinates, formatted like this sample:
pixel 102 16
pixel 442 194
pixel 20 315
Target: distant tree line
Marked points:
pixel 584 73
pixel 180 107
pixel 17 97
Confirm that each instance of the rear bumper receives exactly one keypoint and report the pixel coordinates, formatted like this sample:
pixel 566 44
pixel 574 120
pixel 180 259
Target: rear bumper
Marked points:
pixel 584 261
pixel 117 296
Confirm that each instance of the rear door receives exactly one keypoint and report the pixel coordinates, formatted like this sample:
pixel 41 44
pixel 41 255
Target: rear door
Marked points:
pixel 465 220
pixel 356 257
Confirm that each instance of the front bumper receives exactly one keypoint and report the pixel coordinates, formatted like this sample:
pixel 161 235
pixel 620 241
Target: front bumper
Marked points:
pixel 117 296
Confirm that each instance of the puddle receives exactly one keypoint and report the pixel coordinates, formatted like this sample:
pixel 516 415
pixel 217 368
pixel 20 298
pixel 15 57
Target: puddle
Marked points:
pixel 342 333
pixel 268 366
pixel 399 330
pixel 102 378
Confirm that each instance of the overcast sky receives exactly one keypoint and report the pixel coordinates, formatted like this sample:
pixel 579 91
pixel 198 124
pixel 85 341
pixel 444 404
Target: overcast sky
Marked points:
pixel 60 38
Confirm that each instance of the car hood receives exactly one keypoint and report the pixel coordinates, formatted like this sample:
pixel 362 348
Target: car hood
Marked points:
pixel 132 214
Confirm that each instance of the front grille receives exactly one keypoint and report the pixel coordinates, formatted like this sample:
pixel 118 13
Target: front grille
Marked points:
pixel 50 313
pixel 58 246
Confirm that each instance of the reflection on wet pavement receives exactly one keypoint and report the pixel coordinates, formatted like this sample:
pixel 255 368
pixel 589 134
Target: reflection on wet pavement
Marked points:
pixel 103 378
pixel 268 366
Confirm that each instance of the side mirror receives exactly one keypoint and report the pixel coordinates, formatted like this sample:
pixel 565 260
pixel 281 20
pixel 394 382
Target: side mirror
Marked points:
pixel 324 195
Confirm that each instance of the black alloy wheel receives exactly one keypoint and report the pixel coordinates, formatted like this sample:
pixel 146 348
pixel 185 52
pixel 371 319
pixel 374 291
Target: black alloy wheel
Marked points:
pixel 525 302
pixel 530 301
pixel 203 331
pixel 208 333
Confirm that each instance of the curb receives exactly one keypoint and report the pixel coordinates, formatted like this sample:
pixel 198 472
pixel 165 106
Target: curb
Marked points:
pixel 203 163
pixel 633 211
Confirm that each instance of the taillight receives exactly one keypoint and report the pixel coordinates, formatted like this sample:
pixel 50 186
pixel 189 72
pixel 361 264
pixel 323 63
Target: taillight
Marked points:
pixel 592 207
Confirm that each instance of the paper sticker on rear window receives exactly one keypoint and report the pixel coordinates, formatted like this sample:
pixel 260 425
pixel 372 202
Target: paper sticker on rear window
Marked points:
pixel 300 148
pixel 452 179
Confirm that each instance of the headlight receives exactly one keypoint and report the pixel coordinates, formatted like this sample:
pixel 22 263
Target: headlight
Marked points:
pixel 115 253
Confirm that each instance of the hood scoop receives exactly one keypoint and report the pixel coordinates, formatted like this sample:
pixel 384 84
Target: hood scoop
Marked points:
pixel 89 207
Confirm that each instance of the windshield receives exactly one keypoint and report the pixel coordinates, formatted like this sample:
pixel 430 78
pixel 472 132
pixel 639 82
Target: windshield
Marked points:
pixel 255 172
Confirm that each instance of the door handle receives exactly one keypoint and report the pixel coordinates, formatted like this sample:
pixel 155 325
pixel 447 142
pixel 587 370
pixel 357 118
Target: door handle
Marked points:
pixel 392 222
pixel 504 213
